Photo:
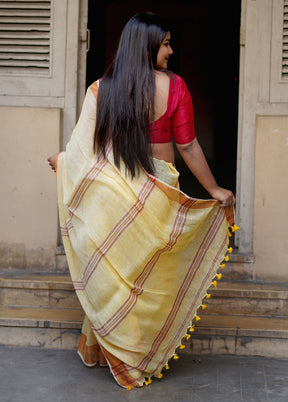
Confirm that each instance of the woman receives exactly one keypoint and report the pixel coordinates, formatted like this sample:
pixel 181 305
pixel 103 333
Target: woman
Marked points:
pixel 141 253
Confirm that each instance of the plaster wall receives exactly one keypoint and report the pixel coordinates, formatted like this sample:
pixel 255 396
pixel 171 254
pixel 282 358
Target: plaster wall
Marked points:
pixel 271 194
pixel 28 215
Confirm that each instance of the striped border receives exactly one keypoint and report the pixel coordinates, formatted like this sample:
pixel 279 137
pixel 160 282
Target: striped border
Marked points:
pixel 64 231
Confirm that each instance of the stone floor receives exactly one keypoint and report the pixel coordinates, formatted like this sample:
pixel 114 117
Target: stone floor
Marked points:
pixel 30 375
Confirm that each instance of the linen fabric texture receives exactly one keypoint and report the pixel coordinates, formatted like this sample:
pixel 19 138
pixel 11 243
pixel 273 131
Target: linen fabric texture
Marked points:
pixel 141 254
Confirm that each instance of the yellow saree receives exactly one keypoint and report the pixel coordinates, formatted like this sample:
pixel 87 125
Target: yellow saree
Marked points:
pixel 141 255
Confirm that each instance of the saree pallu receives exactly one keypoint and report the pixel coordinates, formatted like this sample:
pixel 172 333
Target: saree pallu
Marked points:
pixel 141 255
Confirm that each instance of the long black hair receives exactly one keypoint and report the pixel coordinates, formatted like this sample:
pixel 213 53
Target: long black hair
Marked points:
pixel 125 103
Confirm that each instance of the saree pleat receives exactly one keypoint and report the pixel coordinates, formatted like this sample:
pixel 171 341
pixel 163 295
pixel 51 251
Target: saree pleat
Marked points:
pixel 141 254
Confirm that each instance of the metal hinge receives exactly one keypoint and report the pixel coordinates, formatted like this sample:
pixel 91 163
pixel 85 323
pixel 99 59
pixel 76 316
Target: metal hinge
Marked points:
pixel 87 40
pixel 242 36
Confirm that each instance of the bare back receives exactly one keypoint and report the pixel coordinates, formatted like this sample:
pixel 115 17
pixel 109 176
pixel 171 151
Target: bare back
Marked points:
pixel 163 151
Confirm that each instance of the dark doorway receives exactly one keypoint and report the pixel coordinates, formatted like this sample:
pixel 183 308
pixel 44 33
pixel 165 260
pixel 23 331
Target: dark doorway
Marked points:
pixel 205 40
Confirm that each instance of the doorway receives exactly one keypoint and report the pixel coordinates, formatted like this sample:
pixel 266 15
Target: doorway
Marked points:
pixel 205 40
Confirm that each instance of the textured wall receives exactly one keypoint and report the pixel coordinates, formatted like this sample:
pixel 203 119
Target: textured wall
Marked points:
pixel 28 216
pixel 271 194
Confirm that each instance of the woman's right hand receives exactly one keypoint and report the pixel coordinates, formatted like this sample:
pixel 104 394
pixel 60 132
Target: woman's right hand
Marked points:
pixel 225 197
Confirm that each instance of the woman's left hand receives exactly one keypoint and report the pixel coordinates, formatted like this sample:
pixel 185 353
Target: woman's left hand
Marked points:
pixel 52 161
pixel 225 197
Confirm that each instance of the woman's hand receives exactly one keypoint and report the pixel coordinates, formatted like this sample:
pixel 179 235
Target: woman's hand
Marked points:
pixel 225 197
pixel 52 161
pixel 194 158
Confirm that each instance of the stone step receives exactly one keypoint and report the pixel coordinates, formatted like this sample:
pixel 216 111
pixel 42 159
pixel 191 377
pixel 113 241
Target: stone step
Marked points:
pixel 68 318
pixel 37 289
pixel 267 327
pixel 40 327
pixel 242 318
pixel 214 334
pixel 248 298
pixel 57 291
pixel 240 335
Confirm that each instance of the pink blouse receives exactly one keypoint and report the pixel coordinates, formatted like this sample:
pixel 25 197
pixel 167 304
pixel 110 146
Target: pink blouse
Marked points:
pixel 178 121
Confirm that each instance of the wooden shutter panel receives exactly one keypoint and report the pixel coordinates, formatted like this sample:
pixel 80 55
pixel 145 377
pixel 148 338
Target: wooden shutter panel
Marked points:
pixel 25 28
pixel 285 42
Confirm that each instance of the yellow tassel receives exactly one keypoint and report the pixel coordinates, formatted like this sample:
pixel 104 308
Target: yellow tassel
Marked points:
pixel 148 382
pixel 214 283
pixel 167 366
pixel 187 337
pixel 230 249
pixel 229 234
pixel 234 228
pixel 203 306
pixel 208 295
pixel 197 318
pixel 160 375
pixel 222 266
pixel 191 329
pixel 218 276
pixel 175 357
pixel 226 258
pixel 182 347
pixel 128 388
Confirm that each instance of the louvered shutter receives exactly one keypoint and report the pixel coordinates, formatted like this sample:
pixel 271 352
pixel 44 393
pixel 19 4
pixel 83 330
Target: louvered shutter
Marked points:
pixel 285 42
pixel 279 52
pixel 25 28
pixel 33 51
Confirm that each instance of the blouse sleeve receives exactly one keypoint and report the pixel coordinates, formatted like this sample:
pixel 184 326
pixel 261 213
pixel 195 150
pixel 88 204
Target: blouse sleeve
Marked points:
pixel 183 119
